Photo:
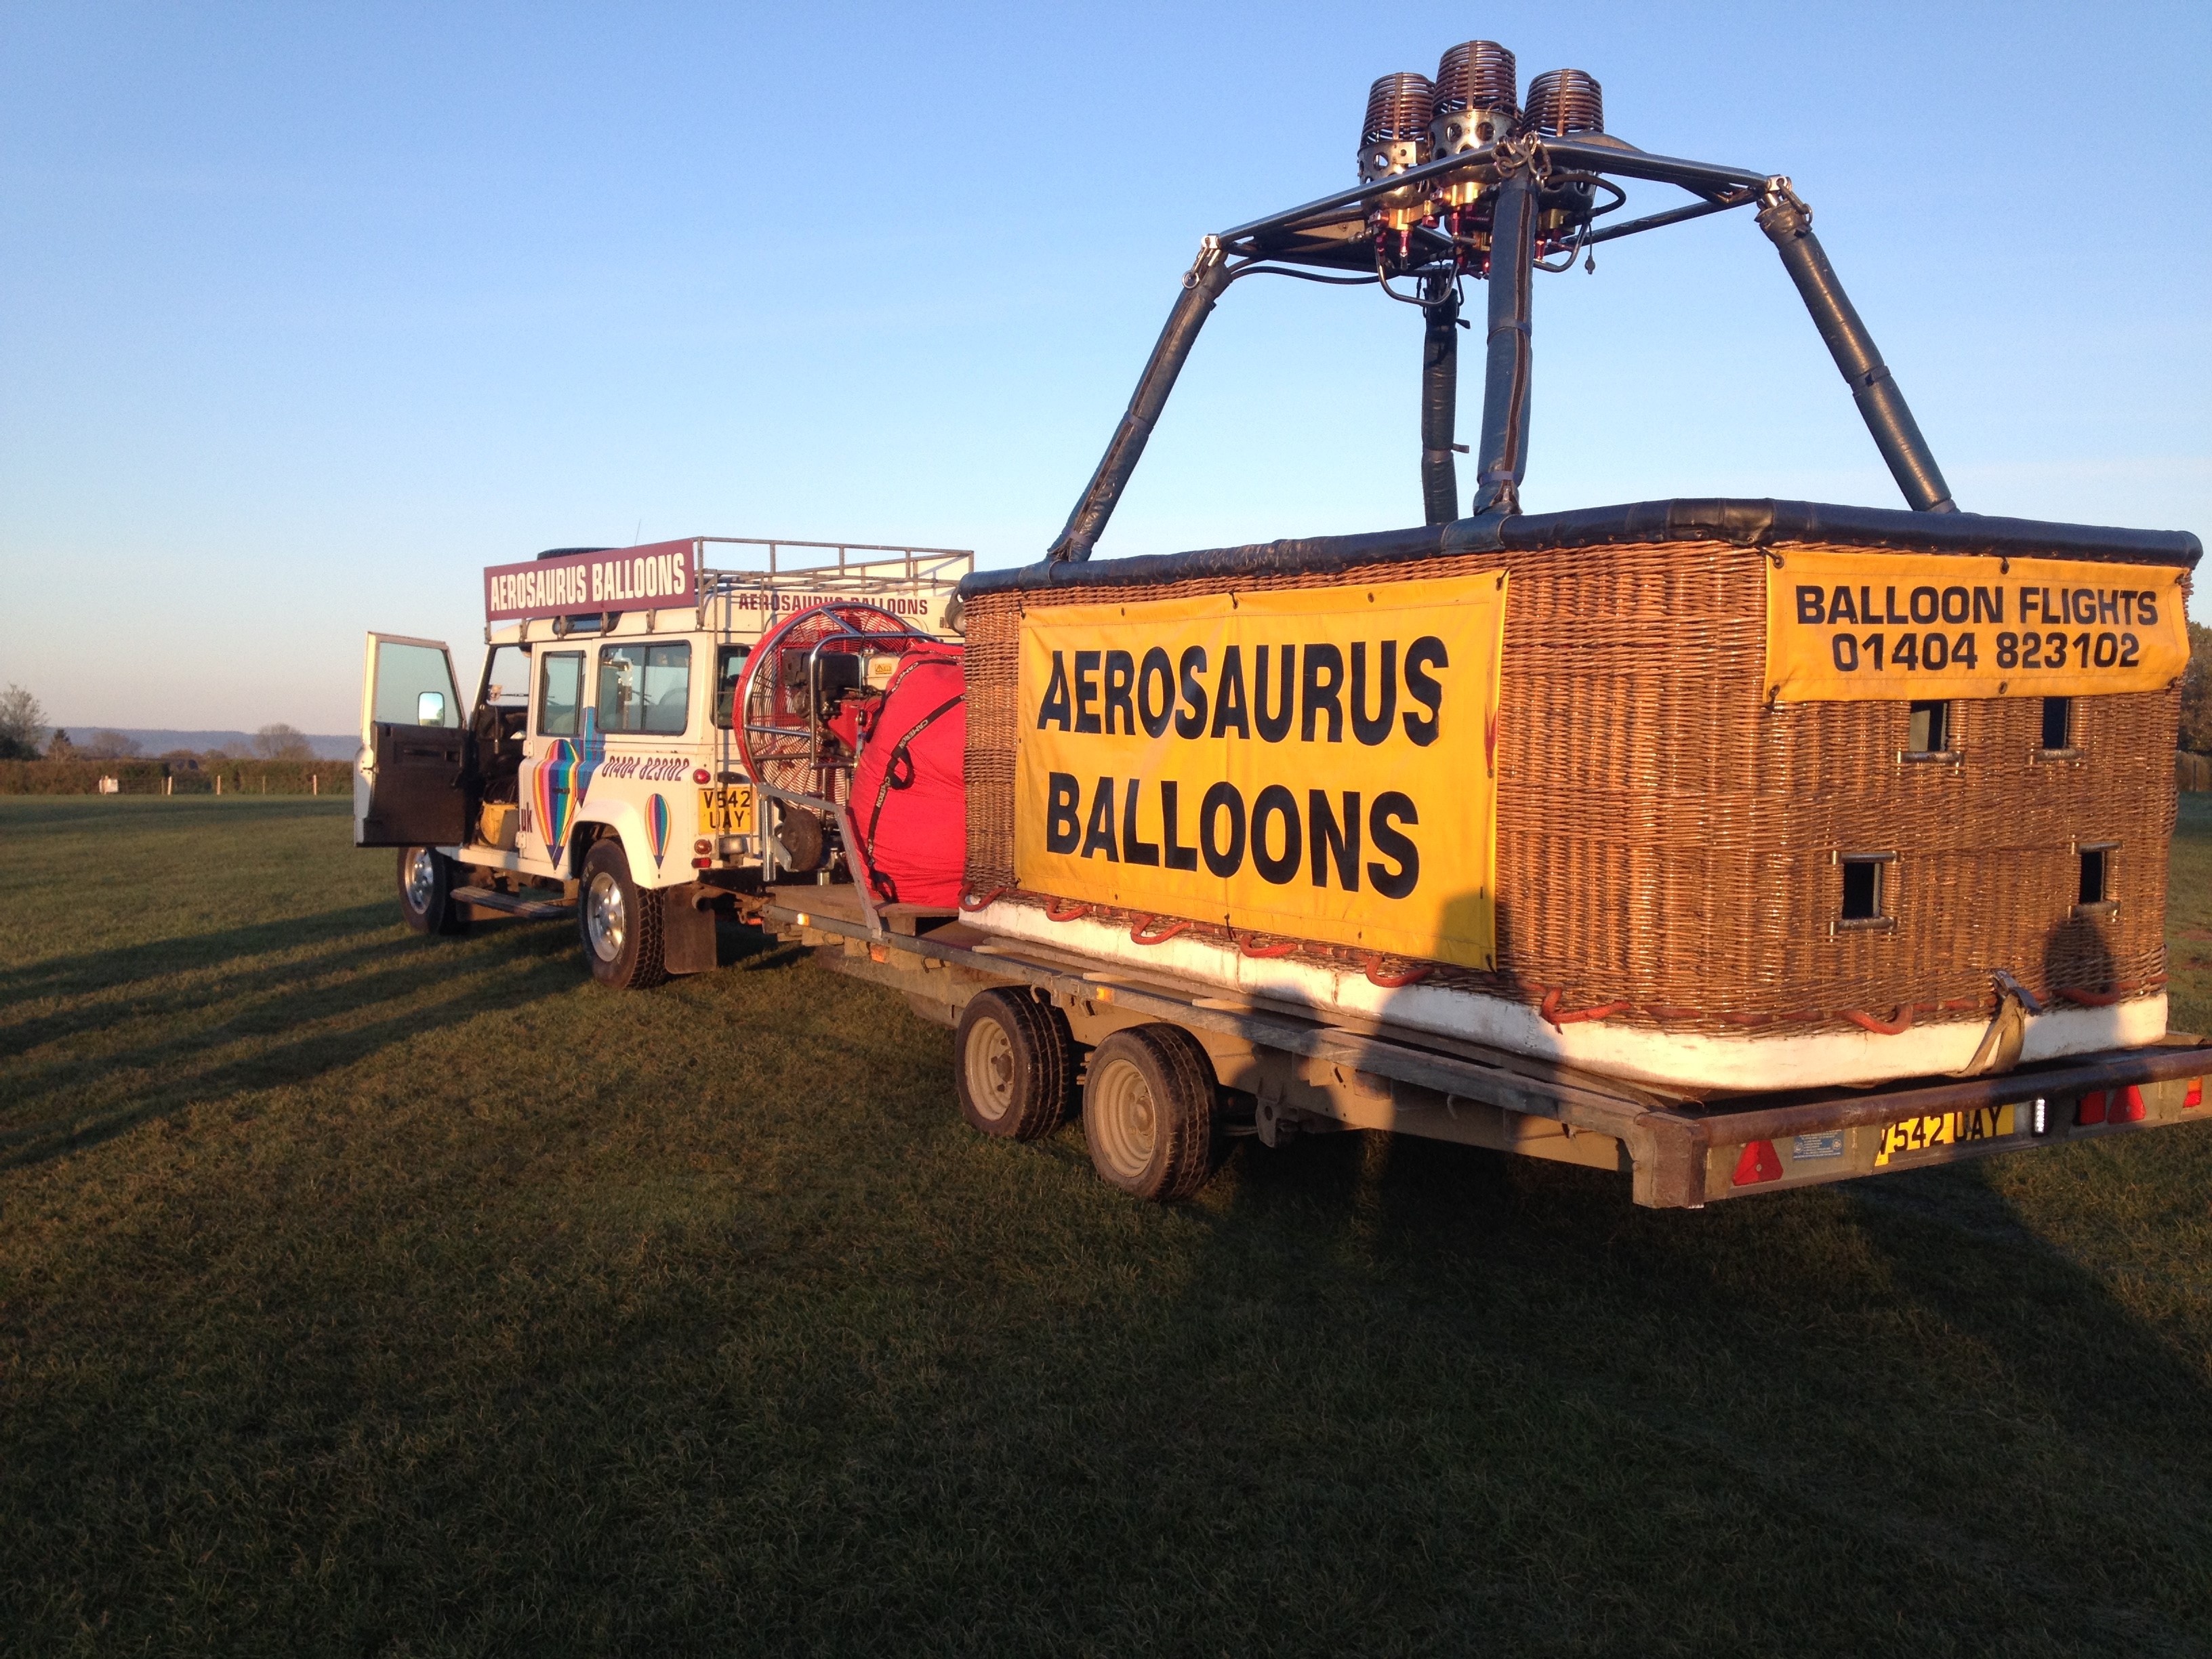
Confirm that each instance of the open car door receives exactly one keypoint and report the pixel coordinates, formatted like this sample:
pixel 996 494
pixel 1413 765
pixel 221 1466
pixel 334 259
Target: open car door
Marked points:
pixel 408 781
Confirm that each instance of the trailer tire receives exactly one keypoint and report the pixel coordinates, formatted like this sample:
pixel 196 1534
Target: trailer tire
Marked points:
pixel 426 893
pixel 1148 1112
pixel 618 922
pixel 1013 1063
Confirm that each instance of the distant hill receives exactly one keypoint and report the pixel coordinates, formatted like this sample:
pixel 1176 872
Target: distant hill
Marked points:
pixel 151 743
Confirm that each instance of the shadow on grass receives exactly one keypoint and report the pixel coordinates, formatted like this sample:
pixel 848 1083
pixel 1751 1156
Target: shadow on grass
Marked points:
pixel 1965 1431
pixel 100 970
pixel 296 1011
pixel 301 1011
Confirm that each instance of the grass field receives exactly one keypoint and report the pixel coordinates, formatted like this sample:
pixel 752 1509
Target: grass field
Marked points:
pixel 366 1294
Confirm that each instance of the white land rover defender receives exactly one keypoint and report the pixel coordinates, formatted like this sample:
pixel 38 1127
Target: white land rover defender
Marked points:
pixel 601 766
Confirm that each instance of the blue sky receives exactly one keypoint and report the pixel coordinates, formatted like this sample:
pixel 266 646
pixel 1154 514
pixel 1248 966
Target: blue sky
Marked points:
pixel 307 312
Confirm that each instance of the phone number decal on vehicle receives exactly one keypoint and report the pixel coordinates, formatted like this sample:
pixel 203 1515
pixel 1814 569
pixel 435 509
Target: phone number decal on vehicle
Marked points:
pixel 646 768
pixel 1854 625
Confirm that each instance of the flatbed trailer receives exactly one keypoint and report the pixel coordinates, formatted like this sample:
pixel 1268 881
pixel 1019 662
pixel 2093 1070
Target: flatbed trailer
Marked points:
pixel 1298 1071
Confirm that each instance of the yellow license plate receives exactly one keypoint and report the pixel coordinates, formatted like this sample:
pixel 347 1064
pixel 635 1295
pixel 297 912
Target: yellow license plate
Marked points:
pixel 1922 1134
pixel 727 810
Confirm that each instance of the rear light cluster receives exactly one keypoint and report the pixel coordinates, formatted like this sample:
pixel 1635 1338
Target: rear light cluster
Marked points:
pixel 2115 1106
pixel 1761 1162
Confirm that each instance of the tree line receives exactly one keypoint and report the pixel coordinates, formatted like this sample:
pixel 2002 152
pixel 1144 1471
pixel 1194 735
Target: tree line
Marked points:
pixel 25 735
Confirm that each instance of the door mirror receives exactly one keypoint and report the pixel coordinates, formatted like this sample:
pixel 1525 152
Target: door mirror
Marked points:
pixel 430 709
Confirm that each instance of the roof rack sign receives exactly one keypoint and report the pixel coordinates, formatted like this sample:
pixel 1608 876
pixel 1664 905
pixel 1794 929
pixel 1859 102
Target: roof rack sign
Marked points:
pixel 661 574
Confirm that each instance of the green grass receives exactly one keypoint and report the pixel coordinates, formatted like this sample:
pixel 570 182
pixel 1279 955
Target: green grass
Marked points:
pixel 367 1294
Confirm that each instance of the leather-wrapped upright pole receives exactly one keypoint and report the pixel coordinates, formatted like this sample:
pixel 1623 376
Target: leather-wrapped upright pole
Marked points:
pixel 1504 452
pixel 1788 223
pixel 1439 402
pixel 1201 286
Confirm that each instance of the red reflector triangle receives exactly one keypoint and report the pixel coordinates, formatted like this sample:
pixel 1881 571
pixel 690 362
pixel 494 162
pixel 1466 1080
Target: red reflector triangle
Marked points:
pixel 2129 1107
pixel 1760 1162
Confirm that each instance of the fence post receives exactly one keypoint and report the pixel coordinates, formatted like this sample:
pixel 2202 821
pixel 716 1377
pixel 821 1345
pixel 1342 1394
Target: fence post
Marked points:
pixel 218 783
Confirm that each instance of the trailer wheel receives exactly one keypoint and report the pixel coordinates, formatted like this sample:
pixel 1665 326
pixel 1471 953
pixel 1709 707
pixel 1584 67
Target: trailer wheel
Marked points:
pixel 1014 1064
pixel 1148 1112
pixel 426 893
pixel 619 922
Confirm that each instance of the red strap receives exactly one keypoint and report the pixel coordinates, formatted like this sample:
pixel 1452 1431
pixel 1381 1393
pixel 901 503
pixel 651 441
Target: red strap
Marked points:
pixel 1896 1027
pixel 1411 974
pixel 1555 1017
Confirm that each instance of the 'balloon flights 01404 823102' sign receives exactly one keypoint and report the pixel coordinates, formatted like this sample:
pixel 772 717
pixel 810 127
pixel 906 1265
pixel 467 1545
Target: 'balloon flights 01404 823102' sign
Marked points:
pixel 1887 625
pixel 1314 763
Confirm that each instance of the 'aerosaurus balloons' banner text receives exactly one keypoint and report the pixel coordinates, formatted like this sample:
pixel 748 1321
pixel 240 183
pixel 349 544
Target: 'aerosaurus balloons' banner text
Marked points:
pixel 1312 763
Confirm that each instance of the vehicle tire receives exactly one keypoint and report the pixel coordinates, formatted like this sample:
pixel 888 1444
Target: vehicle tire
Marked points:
pixel 1148 1112
pixel 799 839
pixel 619 922
pixel 426 893
pixel 1014 1065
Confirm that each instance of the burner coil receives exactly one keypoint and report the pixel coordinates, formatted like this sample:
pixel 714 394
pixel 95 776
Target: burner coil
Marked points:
pixel 1562 102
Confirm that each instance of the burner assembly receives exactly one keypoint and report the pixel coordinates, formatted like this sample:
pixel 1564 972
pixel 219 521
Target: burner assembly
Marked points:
pixel 1460 180
pixel 1472 105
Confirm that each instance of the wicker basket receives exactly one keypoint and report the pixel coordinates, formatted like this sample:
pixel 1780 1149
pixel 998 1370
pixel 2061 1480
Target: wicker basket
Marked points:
pixel 1668 842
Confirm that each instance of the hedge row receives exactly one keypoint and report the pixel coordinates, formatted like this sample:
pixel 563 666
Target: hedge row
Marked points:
pixel 154 777
pixel 249 777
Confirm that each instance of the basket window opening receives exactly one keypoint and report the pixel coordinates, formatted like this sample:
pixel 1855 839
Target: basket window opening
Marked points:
pixel 2096 875
pixel 1929 729
pixel 1862 885
pixel 2057 723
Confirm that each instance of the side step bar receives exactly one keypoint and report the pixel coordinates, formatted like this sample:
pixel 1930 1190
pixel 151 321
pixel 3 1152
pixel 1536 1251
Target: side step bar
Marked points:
pixel 516 905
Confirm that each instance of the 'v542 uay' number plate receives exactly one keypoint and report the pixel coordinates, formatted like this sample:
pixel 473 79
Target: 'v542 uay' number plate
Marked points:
pixel 1923 1134
pixel 727 810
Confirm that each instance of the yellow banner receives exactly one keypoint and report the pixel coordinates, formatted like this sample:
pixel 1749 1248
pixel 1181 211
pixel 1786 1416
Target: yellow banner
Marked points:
pixel 1313 763
pixel 1844 626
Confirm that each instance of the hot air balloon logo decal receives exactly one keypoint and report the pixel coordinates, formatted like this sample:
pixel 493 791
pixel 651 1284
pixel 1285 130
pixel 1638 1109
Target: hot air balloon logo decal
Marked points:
pixel 564 779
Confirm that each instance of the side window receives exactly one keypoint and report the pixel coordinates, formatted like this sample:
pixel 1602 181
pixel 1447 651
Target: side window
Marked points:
pixel 561 694
pixel 507 677
pixel 645 688
pixel 729 668
pixel 414 686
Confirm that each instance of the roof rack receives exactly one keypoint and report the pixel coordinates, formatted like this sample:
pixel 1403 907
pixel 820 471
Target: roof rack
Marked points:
pixel 900 567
